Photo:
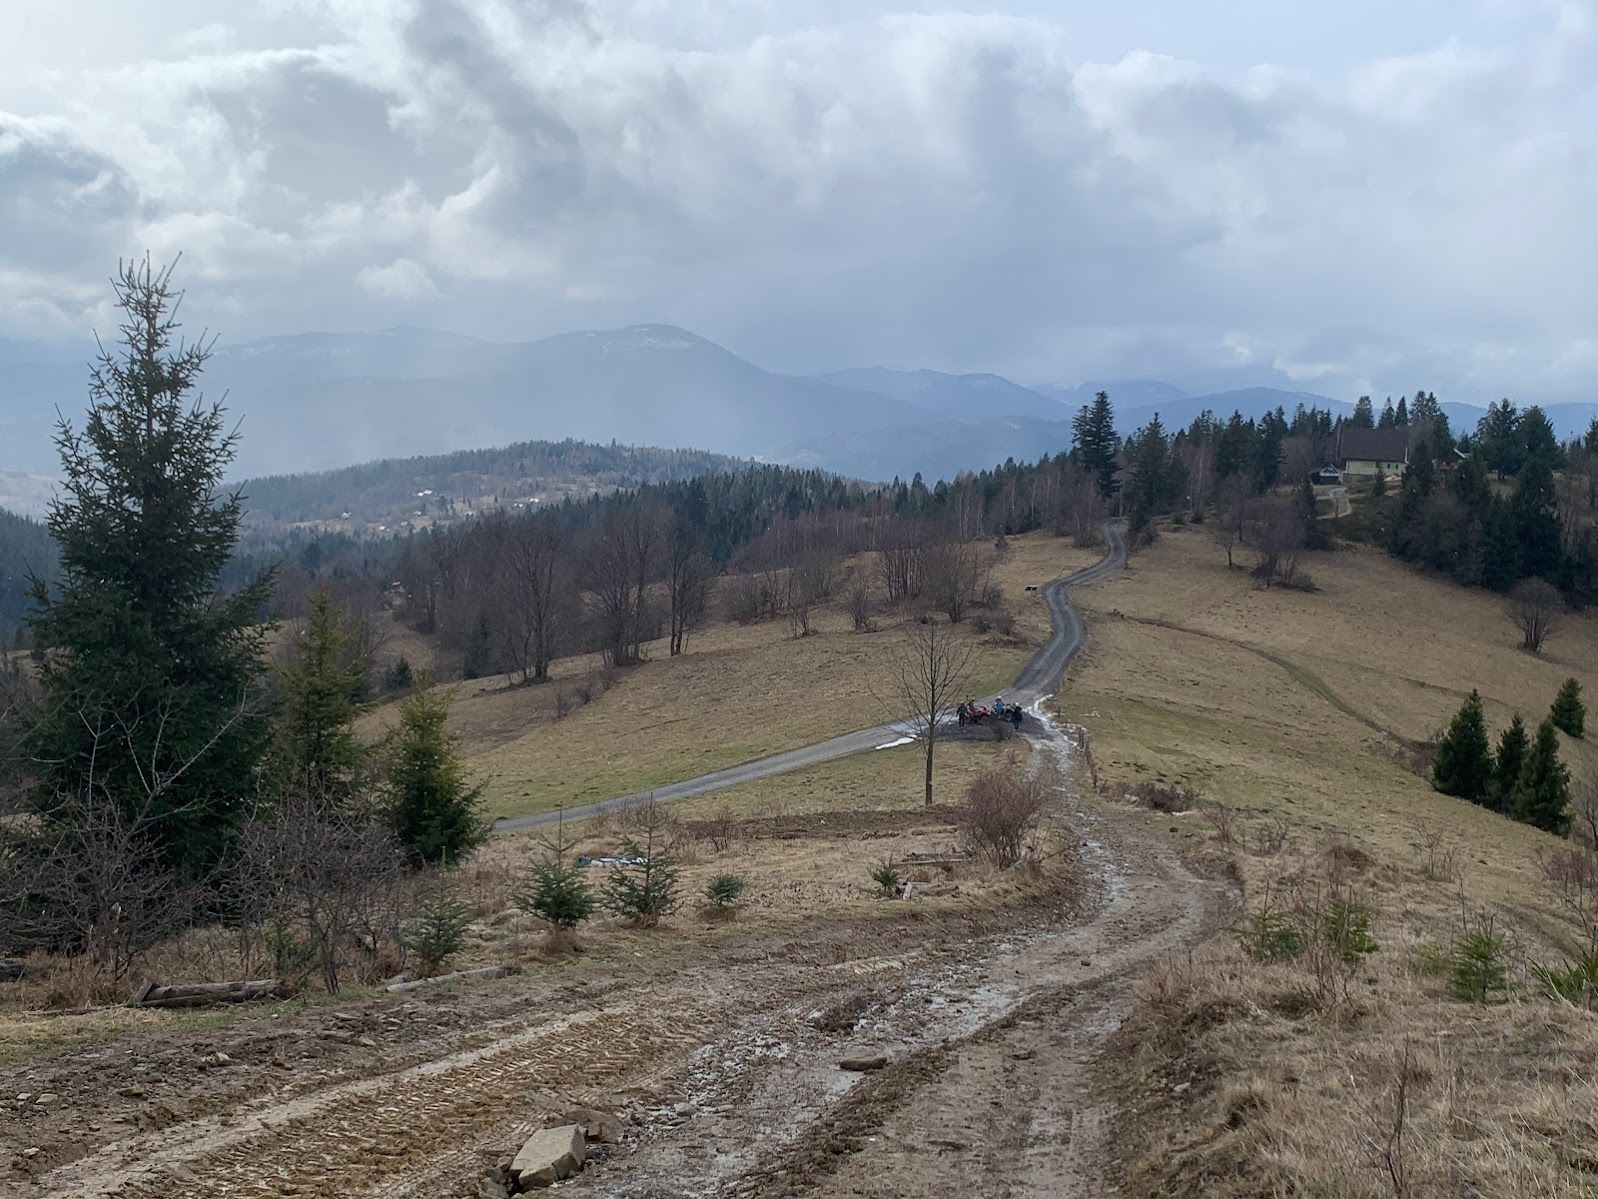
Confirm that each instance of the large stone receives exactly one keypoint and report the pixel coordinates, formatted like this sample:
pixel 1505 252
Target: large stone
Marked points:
pixel 864 1062
pixel 550 1155
pixel 603 1127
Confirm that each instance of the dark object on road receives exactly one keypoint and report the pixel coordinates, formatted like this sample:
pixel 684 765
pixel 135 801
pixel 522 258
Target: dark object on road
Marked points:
pixel 864 1063
pixel 1000 713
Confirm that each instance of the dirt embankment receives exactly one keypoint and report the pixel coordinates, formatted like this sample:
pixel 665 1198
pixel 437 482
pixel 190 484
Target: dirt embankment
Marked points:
pixel 722 1058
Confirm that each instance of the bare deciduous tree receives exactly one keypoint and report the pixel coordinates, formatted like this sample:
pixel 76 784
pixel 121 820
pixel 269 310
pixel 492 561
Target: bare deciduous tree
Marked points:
pixel 859 604
pixel 903 560
pixel 1231 508
pixel 1276 532
pixel 619 555
pixel 688 575
pixel 1536 607
pixel 536 591
pixel 928 675
pixel 951 569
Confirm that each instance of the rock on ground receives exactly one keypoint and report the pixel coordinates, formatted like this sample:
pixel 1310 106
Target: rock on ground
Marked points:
pixel 550 1155
pixel 864 1062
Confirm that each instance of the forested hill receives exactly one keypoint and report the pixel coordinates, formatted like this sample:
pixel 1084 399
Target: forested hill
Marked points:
pixel 25 549
pixel 397 494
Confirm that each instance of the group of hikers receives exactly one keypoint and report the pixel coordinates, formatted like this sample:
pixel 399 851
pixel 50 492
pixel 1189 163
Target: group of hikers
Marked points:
pixel 970 713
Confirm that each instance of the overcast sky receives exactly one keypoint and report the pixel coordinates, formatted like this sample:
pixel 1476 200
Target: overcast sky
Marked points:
pixel 1378 192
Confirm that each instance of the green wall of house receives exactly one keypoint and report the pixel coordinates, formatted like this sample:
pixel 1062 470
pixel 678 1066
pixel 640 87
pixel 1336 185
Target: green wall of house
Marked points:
pixel 1357 466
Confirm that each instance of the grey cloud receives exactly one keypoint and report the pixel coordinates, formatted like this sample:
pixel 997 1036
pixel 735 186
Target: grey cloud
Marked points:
pixel 943 190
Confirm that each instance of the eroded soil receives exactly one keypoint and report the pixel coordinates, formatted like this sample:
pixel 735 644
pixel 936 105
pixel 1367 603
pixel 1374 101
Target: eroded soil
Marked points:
pixel 721 1057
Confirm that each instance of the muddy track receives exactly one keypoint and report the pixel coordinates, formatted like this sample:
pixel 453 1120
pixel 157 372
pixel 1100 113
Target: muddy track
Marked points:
pixel 994 1059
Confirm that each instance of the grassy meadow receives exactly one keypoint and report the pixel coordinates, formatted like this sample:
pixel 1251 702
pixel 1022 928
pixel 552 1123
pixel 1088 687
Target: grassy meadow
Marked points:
pixel 1296 716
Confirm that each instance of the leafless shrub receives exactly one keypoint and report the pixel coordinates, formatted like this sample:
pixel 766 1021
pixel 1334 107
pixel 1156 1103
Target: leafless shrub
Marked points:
pixel 816 576
pixel 582 692
pixel 1277 530
pixel 88 882
pixel 1231 512
pixel 902 560
pixel 1170 798
pixel 721 829
pixel 1001 812
pixel 999 621
pixel 1584 812
pixel 1271 837
pixel 1385 1143
pixel 950 569
pixel 1573 874
pixel 744 600
pixel 1438 860
pixel 859 605
pixel 329 889
pixel 1222 818
pixel 799 616
pixel 1536 608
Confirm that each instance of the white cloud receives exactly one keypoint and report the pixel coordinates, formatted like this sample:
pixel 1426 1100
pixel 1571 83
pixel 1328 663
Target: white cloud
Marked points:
pixel 818 183
pixel 402 279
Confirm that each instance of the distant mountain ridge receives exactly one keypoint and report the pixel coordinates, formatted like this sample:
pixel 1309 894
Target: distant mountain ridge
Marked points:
pixel 318 401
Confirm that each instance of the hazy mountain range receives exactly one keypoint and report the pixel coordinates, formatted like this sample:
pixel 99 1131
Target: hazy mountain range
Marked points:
pixel 316 401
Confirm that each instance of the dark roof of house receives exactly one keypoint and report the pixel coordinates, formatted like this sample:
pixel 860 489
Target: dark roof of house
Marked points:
pixel 1374 445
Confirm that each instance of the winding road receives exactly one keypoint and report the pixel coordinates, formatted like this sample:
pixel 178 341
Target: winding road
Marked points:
pixel 1038 679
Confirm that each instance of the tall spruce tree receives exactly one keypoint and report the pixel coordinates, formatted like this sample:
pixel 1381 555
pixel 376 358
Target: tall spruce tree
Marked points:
pixel 152 682
pixel 1498 435
pixel 1364 415
pixel 1156 477
pixel 1464 762
pixel 1569 713
pixel 1093 430
pixel 1535 507
pixel 1513 746
pixel 432 805
pixel 315 754
pixel 1542 793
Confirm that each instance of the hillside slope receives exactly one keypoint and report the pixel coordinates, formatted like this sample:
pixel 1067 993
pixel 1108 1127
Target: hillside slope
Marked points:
pixel 392 493
pixel 1300 720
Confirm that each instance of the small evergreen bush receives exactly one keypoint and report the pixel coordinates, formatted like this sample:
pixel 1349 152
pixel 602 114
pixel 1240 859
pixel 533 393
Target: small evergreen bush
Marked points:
pixel 1569 713
pixel 887 877
pixel 724 890
pixel 438 931
pixel 1479 968
pixel 555 889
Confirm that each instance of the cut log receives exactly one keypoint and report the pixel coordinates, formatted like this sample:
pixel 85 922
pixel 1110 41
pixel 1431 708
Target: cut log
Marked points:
pixel 202 994
pixel 458 976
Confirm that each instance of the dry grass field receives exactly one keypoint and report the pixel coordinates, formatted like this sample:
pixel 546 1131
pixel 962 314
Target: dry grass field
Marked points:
pixel 739 692
pixel 1292 709
pixel 807 842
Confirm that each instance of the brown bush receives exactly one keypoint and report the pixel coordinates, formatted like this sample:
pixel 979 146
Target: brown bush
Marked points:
pixel 1001 813
pixel 1169 798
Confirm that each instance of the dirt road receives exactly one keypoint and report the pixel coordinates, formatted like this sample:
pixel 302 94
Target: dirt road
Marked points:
pixel 721 1056
pixel 1038 679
